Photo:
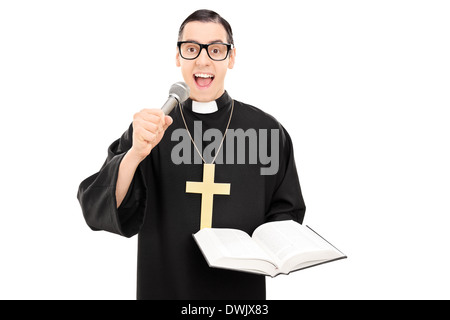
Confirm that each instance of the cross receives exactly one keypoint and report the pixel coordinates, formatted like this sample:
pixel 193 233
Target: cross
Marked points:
pixel 208 189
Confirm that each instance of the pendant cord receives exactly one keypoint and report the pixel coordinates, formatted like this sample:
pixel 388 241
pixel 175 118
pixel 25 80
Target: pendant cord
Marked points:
pixel 223 138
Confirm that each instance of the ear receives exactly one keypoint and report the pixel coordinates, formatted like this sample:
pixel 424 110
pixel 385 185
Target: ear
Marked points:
pixel 232 58
pixel 177 59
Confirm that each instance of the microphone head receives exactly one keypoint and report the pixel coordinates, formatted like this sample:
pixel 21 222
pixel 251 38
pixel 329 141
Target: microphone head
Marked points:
pixel 179 91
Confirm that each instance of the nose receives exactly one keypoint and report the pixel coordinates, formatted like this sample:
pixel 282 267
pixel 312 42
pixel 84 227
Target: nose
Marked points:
pixel 203 58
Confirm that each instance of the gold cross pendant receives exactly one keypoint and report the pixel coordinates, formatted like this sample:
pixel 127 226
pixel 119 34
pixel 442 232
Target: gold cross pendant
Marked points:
pixel 207 188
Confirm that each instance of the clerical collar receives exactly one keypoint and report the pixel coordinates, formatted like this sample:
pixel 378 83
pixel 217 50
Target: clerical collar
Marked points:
pixel 208 107
pixel 204 107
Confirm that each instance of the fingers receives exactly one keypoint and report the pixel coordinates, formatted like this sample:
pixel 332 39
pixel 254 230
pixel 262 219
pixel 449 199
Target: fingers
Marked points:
pixel 143 135
pixel 152 115
pixel 154 127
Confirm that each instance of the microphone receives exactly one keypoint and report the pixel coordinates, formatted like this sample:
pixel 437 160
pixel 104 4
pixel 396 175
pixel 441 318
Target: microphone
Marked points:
pixel 178 93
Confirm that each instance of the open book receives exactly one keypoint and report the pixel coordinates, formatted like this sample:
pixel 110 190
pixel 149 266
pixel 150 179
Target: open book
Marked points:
pixel 278 247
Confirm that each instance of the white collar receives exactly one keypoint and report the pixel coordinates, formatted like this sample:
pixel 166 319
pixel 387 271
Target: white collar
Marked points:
pixel 204 107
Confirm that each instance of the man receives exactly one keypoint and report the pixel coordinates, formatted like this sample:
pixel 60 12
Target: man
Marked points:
pixel 146 185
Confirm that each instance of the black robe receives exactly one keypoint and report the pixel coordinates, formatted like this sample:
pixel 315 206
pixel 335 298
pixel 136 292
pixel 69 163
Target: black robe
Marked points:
pixel 158 209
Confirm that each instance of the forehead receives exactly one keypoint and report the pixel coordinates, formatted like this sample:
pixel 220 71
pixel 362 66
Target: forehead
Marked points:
pixel 204 32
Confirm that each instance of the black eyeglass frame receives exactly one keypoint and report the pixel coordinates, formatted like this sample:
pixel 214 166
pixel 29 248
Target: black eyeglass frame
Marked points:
pixel 205 46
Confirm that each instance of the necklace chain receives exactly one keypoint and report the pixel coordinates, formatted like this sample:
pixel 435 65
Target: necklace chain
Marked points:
pixel 223 138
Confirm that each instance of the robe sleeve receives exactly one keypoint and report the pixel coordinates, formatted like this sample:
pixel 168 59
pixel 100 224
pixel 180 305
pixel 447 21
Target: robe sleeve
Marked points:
pixel 287 200
pixel 97 194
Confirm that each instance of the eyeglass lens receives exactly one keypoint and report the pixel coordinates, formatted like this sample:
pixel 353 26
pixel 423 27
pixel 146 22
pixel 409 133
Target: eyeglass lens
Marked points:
pixel 216 51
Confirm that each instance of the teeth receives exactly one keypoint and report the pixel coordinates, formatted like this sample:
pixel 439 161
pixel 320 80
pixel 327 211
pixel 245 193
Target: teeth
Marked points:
pixel 204 75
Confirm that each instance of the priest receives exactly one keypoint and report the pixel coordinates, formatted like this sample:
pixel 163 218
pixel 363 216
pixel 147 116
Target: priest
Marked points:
pixel 204 165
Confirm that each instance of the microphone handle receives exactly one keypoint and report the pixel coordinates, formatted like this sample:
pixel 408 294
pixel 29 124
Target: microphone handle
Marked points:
pixel 169 105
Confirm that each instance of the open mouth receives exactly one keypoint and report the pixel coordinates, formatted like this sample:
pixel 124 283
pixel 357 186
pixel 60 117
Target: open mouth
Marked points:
pixel 203 80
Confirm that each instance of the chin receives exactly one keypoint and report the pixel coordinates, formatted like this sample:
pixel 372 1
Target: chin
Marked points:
pixel 203 96
pixel 202 99
pixel 208 95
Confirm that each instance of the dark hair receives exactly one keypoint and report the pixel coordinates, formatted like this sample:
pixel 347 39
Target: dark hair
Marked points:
pixel 204 15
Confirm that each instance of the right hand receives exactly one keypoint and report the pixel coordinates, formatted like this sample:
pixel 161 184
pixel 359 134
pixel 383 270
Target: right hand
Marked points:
pixel 149 126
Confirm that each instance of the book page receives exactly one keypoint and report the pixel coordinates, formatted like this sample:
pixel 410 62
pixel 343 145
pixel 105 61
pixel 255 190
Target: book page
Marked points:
pixel 236 244
pixel 285 239
pixel 233 249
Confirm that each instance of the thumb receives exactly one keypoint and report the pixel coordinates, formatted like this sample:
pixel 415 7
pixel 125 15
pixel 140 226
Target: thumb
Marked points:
pixel 168 121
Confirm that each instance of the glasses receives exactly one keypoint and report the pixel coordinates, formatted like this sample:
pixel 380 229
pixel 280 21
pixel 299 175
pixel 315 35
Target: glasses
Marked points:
pixel 217 51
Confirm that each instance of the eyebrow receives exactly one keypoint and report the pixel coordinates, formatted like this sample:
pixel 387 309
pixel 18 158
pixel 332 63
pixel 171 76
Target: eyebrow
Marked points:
pixel 214 41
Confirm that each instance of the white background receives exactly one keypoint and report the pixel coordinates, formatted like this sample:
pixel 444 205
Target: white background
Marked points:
pixel 361 86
